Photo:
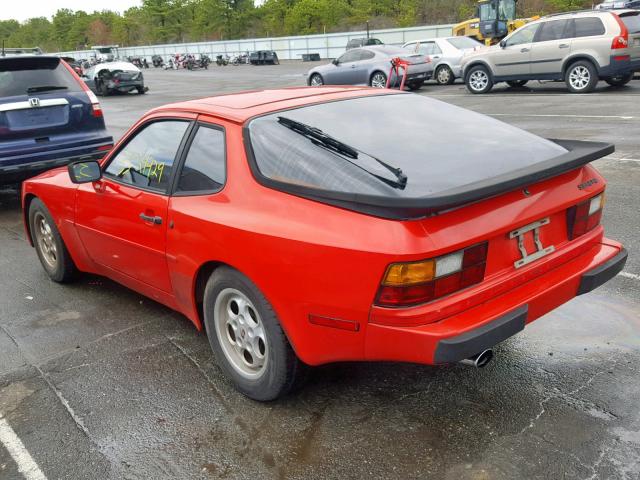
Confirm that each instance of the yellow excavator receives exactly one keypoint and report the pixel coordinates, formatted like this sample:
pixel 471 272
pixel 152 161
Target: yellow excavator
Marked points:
pixel 495 19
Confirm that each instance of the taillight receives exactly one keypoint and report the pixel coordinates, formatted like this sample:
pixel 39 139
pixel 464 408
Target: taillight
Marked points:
pixel 96 109
pixel 622 40
pixel 412 283
pixel 585 216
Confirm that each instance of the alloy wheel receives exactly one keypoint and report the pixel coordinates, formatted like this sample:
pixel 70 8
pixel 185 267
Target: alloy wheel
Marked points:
pixel 241 333
pixel 316 81
pixel 45 241
pixel 379 80
pixel 579 77
pixel 478 80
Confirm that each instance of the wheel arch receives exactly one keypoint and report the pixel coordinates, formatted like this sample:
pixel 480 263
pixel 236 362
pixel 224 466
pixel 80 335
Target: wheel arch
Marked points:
pixel 28 198
pixel 476 63
pixel 311 76
pixel 576 58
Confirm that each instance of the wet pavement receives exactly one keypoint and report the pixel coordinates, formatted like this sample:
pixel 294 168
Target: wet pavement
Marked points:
pixel 99 382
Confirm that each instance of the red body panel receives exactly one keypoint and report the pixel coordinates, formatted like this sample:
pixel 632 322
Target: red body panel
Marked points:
pixel 309 258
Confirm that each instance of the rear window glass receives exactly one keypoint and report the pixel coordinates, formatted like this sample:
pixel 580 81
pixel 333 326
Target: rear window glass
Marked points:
pixel 587 27
pixel 19 74
pixel 632 22
pixel 436 145
pixel 464 42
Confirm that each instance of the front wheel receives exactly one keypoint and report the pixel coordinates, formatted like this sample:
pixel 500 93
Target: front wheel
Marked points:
pixel 247 339
pixel 316 80
pixel 444 75
pixel 620 80
pixel 415 86
pixel 50 247
pixel 478 80
pixel 378 80
pixel 581 77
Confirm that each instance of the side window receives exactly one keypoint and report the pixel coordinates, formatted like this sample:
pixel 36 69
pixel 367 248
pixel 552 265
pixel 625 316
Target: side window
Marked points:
pixel 411 46
pixel 524 35
pixel 204 168
pixel 553 30
pixel 147 159
pixel 587 27
pixel 350 56
pixel 435 49
pixel 366 55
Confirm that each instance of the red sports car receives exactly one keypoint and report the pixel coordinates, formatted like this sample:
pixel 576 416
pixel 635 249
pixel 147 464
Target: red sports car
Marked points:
pixel 312 225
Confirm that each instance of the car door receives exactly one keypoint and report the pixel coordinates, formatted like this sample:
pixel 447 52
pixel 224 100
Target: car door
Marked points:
pixel 551 45
pixel 122 219
pixel 361 67
pixel 342 72
pixel 513 57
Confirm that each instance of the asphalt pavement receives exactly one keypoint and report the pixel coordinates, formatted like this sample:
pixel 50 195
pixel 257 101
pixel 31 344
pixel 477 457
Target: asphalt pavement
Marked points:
pixel 98 382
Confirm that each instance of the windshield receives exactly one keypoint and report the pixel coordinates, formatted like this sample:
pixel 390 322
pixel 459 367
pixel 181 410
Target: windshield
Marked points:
pixel 19 76
pixel 104 50
pixel 462 43
pixel 437 146
pixel 507 10
pixel 487 11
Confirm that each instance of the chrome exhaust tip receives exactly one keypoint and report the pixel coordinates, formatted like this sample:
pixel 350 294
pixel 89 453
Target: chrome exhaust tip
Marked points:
pixel 479 360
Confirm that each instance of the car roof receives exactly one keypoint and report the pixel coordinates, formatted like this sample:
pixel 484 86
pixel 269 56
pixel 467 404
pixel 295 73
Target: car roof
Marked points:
pixel 242 106
pixel 585 13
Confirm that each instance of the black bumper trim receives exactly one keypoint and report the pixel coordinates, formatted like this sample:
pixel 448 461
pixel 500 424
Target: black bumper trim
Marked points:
pixel 19 172
pixel 602 273
pixel 475 341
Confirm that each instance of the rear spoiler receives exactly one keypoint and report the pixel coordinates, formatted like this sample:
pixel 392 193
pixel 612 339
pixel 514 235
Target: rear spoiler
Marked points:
pixel 579 154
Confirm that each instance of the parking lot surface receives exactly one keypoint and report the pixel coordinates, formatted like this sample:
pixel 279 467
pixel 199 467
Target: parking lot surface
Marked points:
pixel 99 382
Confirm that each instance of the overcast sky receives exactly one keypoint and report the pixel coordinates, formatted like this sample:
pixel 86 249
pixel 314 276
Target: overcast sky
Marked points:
pixel 23 9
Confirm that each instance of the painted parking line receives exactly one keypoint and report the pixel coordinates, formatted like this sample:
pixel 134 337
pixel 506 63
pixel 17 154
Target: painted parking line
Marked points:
pixel 632 276
pixel 26 465
pixel 549 115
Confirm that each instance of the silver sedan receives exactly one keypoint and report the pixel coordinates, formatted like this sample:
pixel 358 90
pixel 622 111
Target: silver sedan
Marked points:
pixel 371 66
pixel 446 53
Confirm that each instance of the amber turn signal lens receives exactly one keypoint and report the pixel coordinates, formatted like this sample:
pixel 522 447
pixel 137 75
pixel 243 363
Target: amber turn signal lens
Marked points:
pixel 403 274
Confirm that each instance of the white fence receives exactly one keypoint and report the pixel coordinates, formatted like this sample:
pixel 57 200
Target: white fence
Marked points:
pixel 330 45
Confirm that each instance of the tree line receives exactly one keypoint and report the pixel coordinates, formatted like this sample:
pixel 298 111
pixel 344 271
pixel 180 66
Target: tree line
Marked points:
pixel 169 21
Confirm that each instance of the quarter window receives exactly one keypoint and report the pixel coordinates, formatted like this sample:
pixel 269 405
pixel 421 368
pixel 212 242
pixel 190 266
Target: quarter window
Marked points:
pixel 588 27
pixel 524 35
pixel 147 159
pixel 553 30
pixel 204 167
pixel 366 55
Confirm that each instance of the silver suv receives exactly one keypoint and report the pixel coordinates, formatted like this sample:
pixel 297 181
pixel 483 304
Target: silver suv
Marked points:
pixel 578 48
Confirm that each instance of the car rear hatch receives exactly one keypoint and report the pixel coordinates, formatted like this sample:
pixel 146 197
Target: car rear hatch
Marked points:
pixel 43 108
pixel 631 20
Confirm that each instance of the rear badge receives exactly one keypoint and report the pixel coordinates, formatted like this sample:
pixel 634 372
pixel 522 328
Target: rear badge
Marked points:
pixel 540 250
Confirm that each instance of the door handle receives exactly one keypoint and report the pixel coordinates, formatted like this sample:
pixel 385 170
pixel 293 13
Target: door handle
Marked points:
pixel 563 45
pixel 524 50
pixel 353 66
pixel 151 219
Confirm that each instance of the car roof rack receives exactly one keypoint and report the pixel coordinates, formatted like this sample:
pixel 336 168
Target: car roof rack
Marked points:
pixel 574 12
pixel 19 51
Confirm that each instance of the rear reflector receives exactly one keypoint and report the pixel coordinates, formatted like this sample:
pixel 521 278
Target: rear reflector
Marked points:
pixel 334 323
pixel 585 216
pixel 406 284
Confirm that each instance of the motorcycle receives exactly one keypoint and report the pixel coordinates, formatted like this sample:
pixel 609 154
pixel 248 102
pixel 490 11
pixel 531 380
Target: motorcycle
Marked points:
pixel 222 60
pixel 242 59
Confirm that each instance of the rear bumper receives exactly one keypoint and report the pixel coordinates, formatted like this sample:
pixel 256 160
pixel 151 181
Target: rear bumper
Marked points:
pixel 18 173
pixel 485 325
pixel 619 66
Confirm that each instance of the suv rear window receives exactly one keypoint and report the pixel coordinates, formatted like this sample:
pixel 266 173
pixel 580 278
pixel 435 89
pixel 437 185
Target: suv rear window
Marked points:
pixel 22 73
pixel 588 27
pixel 632 22
pixel 438 147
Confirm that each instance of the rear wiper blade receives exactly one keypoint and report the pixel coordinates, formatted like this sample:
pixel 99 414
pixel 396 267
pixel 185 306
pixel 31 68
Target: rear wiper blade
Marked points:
pixel 318 137
pixel 45 88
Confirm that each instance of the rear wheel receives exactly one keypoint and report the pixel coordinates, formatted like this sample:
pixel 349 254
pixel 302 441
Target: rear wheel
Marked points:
pixel 479 80
pixel 141 90
pixel 581 77
pixel 378 80
pixel 415 85
pixel 620 80
pixel 316 80
pixel 444 75
pixel 247 339
pixel 517 83
pixel 103 90
pixel 50 247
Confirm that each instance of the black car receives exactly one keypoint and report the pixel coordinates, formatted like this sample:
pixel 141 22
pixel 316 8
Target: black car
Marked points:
pixel 264 57
pixel 363 42
pixel 114 77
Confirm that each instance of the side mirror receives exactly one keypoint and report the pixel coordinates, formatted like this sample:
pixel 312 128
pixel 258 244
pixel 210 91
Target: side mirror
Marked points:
pixel 336 62
pixel 84 171
pixel 503 43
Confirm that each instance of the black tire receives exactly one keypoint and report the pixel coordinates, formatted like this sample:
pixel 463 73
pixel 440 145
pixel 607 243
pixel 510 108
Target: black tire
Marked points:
pixel 415 86
pixel 282 371
pixel 620 80
pixel 63 269
pixel 444 75
pixel 478 80
pixel 141 90
pixel 581 77
pixel 378 79
pixel 317 78
pixel 102 88
pixel 517 83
